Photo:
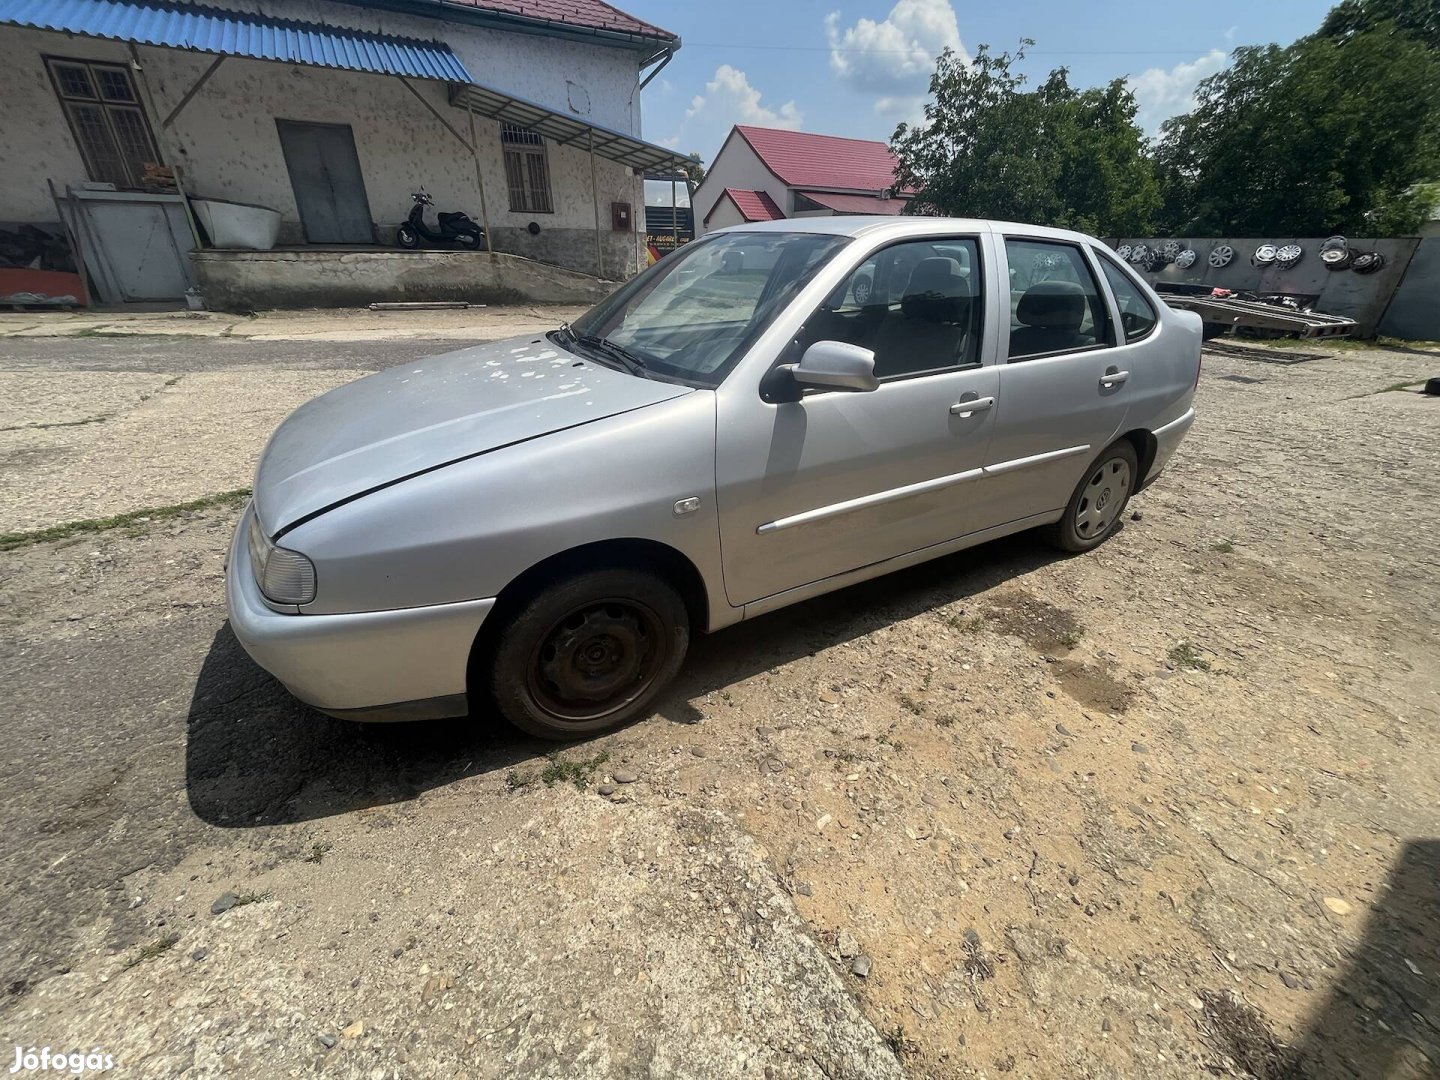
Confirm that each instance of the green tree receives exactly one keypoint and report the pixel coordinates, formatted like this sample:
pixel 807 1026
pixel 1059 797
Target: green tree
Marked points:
pixel 1104 182
pixel 1330 134
pixel 1419 19
pixel 1055 156
pixel 694 168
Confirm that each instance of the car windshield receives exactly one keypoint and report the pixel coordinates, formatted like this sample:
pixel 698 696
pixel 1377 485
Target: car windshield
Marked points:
pixel 691 315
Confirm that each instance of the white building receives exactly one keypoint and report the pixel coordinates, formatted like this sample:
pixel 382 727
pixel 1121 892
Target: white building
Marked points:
pixel 525 113
pixel 762 174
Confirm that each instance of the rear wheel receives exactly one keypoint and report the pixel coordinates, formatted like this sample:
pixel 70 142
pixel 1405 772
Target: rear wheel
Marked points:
pixel 589 653
pixel 1095 508
pixel 469 240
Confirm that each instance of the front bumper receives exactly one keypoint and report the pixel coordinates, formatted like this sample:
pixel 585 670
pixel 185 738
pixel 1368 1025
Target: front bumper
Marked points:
pixel 406 664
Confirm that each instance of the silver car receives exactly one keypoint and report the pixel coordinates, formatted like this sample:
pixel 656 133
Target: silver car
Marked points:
pixel 770 413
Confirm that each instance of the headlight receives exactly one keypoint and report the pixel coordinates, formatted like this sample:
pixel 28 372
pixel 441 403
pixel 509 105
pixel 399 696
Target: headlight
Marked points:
pixel 284 576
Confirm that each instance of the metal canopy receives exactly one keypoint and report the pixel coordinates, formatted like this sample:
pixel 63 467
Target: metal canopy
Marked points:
pixel 238 33
pixel 566 130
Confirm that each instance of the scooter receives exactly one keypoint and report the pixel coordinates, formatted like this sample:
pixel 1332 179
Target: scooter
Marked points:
pixel 454 228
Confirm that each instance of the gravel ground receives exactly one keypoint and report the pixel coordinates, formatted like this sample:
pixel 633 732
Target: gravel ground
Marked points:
pixel 1169 809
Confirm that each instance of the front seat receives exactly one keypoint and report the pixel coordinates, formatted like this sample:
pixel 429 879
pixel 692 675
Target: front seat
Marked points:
pixel 1050 313
pixel 932 325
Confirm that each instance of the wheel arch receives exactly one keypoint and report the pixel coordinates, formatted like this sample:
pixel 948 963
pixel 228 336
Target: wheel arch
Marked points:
pixel 1146 447
pixel 633 552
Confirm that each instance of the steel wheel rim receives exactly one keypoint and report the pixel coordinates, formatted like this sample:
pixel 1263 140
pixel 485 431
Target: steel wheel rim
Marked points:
pixel 1102 497
pixel 597 660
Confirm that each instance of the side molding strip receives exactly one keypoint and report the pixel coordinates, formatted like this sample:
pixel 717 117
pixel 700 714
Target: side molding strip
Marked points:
pixel 820 513
pixel 865 501
pixel 1002 467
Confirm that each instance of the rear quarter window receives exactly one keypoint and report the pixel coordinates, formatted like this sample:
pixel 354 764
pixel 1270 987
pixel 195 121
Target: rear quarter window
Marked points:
pixel 1137 314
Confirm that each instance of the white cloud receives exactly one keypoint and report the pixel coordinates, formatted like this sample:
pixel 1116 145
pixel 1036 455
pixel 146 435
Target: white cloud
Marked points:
pixel 729 99
pixel 904 108
pixel 1162 94
pixel 896 56
pixel 730 94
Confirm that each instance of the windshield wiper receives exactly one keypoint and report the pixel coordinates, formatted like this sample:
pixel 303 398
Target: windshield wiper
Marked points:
pixel 607 348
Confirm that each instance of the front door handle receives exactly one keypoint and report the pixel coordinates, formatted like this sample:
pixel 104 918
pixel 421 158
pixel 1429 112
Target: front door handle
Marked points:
pixel 1113 377
pixel 974 405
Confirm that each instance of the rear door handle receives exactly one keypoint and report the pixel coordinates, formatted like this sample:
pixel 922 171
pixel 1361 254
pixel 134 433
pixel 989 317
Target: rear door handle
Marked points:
pixel 974 405
pixel 1113 378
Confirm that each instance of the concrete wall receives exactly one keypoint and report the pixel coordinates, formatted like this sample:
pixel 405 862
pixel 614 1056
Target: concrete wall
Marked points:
pixel 1414 311
pixel 1362 297
pixel 227 141
pixel 736 166
pixel 256 280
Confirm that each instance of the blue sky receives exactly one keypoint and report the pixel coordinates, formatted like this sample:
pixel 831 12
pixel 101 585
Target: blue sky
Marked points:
pixel 856 67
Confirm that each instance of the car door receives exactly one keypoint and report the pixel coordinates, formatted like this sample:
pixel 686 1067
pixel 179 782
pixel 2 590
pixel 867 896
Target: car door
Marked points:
pixel 1062 384
pixel 839 480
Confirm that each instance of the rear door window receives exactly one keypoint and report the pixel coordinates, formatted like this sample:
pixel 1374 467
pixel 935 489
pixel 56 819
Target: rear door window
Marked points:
pixel 1056 305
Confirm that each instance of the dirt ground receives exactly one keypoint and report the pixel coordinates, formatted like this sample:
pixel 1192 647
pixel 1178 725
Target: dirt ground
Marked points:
pixel 1170 809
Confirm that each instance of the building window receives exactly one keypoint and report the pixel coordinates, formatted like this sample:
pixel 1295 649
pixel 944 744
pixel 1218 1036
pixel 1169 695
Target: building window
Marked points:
pixel 526 171
pixel 106 119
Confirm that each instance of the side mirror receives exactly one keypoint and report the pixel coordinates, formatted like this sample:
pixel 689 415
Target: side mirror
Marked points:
pixel 834 365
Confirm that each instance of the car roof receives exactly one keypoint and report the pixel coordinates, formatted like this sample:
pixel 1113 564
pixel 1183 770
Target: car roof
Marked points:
pixel 857 225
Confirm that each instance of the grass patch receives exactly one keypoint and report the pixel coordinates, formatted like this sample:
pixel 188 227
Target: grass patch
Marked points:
pixel 317 852
pixel 558 770
pixel 1222 547
pixel 253 898
pixel 898 1041
pixel 577 771
pixel 911 704
pixel 1071 638
pixel 156 948
pixel 966 624
pixel 9 541
pixel 60 423
pixel 1186 655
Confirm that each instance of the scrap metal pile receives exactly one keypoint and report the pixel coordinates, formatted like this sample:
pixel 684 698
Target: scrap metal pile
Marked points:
pixel 1269 314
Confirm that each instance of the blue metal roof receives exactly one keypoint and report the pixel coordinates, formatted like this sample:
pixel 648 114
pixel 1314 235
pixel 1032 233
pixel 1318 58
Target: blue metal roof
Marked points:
pixel 238 33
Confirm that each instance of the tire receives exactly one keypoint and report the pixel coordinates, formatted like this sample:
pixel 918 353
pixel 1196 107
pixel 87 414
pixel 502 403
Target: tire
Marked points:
pixel 589 653
pixel 1097 507
pixel 407 237
pixel 470 241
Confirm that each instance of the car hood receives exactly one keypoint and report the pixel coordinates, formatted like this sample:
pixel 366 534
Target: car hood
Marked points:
pixel 412 419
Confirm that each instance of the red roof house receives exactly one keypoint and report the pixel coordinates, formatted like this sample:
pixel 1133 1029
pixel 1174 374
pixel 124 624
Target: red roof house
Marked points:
pixel 762 174
pixel 560 15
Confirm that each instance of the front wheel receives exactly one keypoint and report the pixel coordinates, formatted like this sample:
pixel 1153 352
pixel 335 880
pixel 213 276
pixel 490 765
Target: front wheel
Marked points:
pixel 407 237
pixel 1095 508
pixel 589 653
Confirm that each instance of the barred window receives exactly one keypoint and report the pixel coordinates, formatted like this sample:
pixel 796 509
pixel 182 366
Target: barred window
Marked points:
pixel 527 172
pixel 105 116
